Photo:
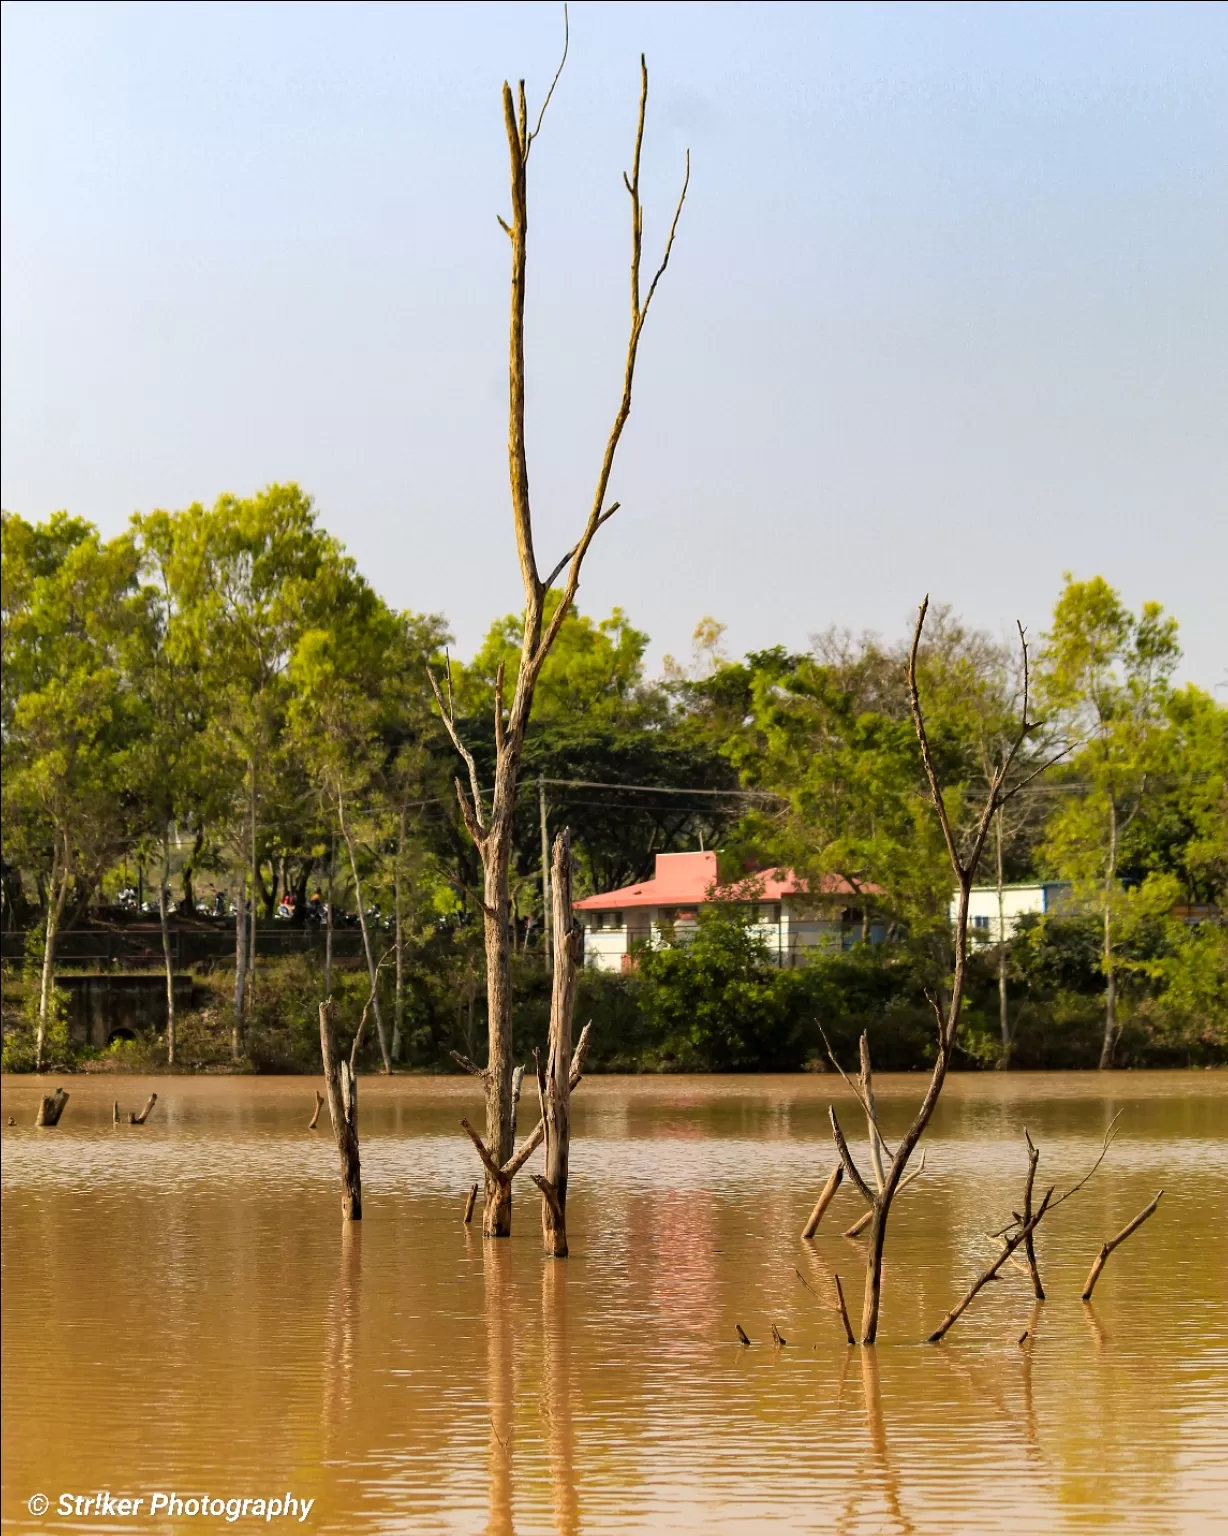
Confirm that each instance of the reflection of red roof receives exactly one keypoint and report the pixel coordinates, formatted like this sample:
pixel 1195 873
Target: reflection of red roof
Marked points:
pixel 687 878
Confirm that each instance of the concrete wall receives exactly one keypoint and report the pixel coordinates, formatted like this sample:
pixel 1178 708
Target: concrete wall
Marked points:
pixel 100 1007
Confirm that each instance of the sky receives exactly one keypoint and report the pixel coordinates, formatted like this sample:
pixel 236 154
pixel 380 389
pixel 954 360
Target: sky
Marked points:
pixel 947 310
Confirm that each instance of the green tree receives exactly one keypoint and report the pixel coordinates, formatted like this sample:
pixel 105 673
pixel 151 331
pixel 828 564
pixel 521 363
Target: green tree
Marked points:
pixel 71 609
pixel 1104 675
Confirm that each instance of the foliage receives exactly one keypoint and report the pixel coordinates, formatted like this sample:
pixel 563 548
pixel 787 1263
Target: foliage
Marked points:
pixel 219 685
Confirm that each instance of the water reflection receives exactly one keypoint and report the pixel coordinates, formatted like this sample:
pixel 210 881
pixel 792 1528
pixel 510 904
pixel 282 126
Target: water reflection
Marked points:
pixel 212 1322
pixel 500 1381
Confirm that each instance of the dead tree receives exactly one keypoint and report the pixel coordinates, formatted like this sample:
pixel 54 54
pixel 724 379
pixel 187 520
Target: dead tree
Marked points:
pixel 964 867
pixel 1115 1242
pixel 863 1091
pixel 135 1119
pixel 1020 1231
pixel 315 1119
pixel 554 1079
pixel 489 822
pixel 341 1086
pixel 990 1272
pixel 502 1175
pixel 51 1107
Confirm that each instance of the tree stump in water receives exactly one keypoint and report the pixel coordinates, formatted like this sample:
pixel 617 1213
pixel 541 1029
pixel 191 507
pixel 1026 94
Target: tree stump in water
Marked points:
pixel 135 1119
pixel 341 1087
pixel 51 1108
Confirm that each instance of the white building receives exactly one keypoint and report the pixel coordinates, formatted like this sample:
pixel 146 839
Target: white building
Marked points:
pixel 664 910
pixel 1017 901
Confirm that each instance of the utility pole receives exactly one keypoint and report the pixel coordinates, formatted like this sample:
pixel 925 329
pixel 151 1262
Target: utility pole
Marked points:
pixel 547 926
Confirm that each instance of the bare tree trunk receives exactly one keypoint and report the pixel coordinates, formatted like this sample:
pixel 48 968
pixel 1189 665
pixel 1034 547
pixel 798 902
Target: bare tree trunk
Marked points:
pixel 500 1106
pixel 251 941
pixel 372 968
pixel 236 1032
pixel 1004 1020
pixel 341 1086
pixel 492 836
pixel 1110 975
pixel 328 924
pixel 164 923
pixel 547 940
pixel 553 1084
pixel 398 1005
pixel 56 895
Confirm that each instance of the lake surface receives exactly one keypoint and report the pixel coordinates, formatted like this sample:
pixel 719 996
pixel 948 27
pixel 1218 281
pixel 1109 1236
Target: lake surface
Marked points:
pixel 183 1311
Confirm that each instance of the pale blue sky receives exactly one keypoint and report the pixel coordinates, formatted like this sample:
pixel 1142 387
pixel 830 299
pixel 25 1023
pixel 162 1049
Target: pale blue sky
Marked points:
pixel 948 309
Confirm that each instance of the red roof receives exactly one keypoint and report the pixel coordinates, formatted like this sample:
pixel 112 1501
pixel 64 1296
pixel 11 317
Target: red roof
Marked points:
pixel 686 879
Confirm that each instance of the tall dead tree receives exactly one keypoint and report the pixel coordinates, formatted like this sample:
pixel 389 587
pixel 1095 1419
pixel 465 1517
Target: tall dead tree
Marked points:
pixel 554 1079
pixel 964 867
pixel 489 821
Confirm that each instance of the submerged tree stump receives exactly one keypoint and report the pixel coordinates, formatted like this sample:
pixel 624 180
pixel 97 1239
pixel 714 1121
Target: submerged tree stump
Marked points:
pixel 135 1119
pixel 341 1087
pixel 51 1108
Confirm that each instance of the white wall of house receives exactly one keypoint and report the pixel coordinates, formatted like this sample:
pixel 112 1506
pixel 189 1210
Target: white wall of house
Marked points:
pixel 1017 901
pixel 610 937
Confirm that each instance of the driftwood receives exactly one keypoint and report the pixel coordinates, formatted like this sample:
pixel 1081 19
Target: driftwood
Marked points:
pixel 741 1335
pixel 341 1086
pixel 50 1108
pixel 836 1306
pixel 549 596
pixel 315 1119
pixel 990 1272
pixel 135 1119
pixel 554 1079
pixel 778 1338
pixel 1116 1242
pixel 470 1202
pixel 115 1113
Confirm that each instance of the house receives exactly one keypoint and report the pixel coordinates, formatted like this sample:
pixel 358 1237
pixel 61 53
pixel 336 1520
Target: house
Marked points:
pixel 1017 901
pixel 664 910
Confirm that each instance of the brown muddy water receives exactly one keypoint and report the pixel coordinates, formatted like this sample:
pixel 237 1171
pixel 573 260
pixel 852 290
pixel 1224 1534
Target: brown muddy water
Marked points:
pixel 183 1313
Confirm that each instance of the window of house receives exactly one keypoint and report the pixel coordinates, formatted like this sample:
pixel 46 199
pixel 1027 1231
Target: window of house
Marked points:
pixel 980 922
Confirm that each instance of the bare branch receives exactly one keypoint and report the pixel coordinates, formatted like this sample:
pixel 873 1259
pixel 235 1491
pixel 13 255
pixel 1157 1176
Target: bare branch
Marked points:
pixel 1110 1136
pixel 850 1167
pixel 538 1134
pixel 836 1306
pixel 1115 1242
pixel 669 244
pixel 834 1180
pixel 499 733
pixel 638 316
pixel 866 1217
pixel 986 1275
pixel 488 1162
pixel 562 565
pixel 470 1066
pixel 927 757
pixel 856 1091
pixel 473 815
pixel 541 115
